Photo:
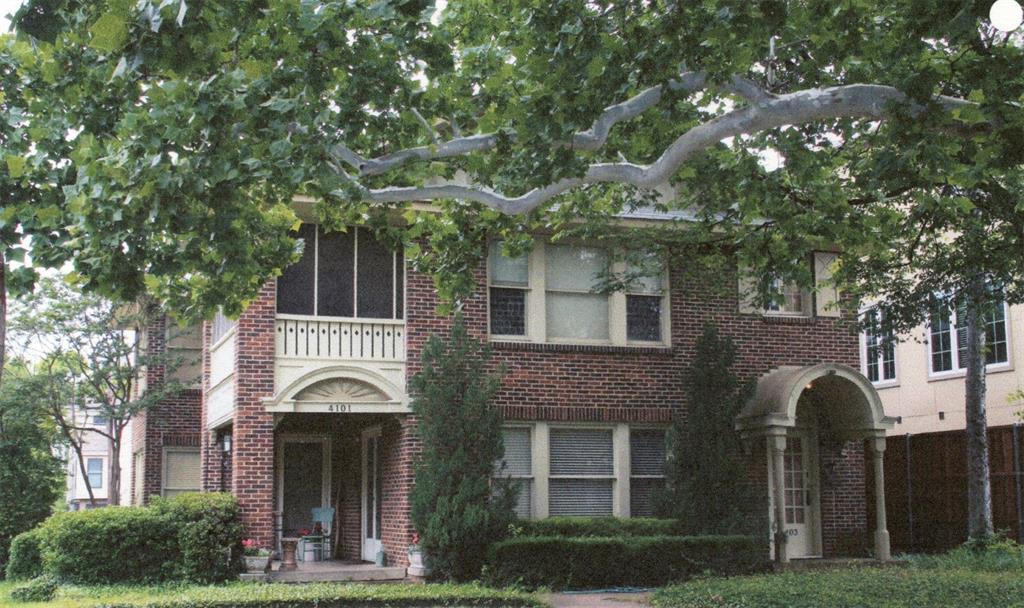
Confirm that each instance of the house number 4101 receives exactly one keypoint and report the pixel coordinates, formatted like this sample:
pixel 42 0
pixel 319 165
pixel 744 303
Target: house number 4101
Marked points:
pixel 339 407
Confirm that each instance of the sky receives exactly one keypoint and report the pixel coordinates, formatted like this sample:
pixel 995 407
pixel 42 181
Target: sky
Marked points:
pixel 7 7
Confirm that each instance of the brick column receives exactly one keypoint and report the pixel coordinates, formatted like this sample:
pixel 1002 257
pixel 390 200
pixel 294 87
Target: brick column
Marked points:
pixel 252 478
pixel 400 448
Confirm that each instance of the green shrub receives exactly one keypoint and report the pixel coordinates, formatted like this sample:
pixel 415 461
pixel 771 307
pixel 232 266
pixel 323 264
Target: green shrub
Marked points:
pixel 109 545
pixel 998 554
pixel 589 562
pixel 600 526
pixel 209 535
pixel 40 589
pixel 25 558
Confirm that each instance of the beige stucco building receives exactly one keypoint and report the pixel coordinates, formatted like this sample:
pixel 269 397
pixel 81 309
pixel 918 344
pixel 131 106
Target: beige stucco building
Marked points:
pixel 921 381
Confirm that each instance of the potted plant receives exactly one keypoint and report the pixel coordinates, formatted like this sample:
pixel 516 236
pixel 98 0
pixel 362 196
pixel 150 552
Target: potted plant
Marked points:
pixel 417 560
pixel 256 558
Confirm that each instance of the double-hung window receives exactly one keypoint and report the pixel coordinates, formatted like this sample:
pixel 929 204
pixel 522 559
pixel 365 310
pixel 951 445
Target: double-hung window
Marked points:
pixel 947 339
pixel 509 288
pixel 646 469
pixel 517 465
pixel 550 295
pixel 573 310
pixel 343 274
pixel 94 468
pixel 879 350
pixel 582 473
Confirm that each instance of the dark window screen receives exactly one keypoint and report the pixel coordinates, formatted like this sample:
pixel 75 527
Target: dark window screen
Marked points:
pixel 295 285
pixel 399 284
pixel 508 311
pixel 334 270
pixel 375 266
pixel 643 318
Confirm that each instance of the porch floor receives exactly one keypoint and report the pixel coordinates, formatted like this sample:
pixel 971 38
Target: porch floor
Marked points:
pixel 335 570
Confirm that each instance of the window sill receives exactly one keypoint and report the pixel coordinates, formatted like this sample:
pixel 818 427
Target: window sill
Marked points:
pixel 788 319
pixel 885 384
pixel 962 373
pixel 508 345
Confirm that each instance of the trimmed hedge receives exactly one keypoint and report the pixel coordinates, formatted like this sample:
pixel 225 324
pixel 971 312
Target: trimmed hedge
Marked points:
pixel 193 537
pixel 40 589
pixel 601 526
pixel 594 562
pixel 25 559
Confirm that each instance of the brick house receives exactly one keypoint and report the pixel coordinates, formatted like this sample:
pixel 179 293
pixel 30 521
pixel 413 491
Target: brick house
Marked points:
pixel 304 402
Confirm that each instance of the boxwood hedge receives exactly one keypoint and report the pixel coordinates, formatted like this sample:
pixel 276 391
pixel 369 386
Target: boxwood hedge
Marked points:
pixel 601 526
pixel 595 562
pixel 194 537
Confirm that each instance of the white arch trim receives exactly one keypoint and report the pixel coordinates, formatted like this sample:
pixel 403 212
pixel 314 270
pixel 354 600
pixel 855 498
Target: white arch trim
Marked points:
pixel 285 402
pixel 775 400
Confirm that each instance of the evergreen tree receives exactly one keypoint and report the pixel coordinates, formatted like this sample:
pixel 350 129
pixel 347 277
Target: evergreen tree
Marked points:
pixel 456 506
pixel 708 483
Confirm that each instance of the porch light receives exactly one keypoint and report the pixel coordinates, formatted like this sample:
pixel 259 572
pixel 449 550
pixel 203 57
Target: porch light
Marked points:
pixel 1006 15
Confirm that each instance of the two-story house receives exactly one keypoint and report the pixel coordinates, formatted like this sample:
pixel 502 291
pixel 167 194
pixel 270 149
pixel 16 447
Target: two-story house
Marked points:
pixel 305 402
pixel 96 456
pixel 920 379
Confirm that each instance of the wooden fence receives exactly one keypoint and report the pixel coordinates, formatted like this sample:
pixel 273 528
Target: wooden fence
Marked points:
pixel 926 488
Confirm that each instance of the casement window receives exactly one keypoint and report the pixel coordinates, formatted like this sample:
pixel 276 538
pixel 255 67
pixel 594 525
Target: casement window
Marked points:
pixel 788 299
pixel 646 469
pixel 94 468
pixel 343 274
pixel 182 471
pixel 509 287
pixel 517 465
pixel 878 349
pixel 549 295
pixel 947 339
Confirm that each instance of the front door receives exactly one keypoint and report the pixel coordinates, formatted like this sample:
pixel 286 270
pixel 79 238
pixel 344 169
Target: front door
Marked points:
pixel 371 494
pixel 800 496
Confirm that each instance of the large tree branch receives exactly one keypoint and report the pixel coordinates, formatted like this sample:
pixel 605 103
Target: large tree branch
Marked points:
pixel 812 105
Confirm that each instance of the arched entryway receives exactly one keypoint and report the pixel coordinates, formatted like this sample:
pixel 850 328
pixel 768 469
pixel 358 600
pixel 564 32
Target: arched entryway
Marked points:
pixel 797 410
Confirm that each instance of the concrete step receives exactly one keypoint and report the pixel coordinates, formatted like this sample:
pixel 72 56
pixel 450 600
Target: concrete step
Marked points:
pixel 338 574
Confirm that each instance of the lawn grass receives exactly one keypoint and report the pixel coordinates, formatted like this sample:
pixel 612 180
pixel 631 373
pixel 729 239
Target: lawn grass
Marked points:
pixel 258 595
pixel 890 587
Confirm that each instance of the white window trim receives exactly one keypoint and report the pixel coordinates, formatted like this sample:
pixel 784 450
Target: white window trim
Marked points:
pixel 957 371
pixel 163 468
pixel 881 382
pixel 540 447
pixel 536 308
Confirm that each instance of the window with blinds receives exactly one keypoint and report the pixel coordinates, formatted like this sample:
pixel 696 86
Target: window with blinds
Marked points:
pixel 582 472
pixel 646 469
pixel 517 464
pixel 574 311
pixel 221 325
pixel 182 471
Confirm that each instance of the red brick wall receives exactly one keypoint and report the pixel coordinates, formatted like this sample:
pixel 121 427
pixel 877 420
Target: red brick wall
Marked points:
pixel 844 524
pixel 175 421
pixel 252 474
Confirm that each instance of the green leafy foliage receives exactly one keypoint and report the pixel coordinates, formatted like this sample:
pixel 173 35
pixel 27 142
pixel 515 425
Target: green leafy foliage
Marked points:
pixel 600 526
pixel 30 474
pixel 454 507
pixel 259 595
pixel 600 562
pixel 191 537
pixel 706 451
pixel 26 557
pixel 40 589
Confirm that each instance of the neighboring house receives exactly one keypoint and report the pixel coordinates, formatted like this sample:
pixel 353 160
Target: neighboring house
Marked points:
pixel 96 453
pixel 165 439
pixel 920 379
pixel 305 402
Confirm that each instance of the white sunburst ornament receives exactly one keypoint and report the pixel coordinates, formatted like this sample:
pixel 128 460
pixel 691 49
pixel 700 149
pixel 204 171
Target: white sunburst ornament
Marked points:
pixel 1006 15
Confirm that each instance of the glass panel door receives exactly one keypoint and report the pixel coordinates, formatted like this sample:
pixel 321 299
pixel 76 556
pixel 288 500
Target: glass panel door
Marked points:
pixel 371 494
pixel 798 497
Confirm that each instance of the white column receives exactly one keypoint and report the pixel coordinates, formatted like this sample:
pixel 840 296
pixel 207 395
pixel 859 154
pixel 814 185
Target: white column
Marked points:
pixel 620 499
pixel 882 549
pixel 541 469
pixel 777 446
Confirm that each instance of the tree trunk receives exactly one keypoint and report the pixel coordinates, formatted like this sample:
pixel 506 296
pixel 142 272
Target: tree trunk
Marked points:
pixel 84 471
pixel 114 491
pixel 979 487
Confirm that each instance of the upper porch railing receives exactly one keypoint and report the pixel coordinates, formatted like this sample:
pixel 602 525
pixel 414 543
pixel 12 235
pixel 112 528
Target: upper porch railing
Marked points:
pixel 308 337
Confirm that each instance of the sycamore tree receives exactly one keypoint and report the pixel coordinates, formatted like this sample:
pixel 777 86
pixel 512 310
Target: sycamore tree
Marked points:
pixel 771 129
